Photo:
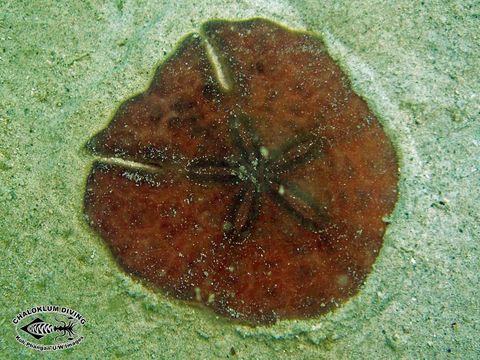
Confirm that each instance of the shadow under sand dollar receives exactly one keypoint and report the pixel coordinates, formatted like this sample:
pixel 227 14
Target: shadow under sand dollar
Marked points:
pixel 248 177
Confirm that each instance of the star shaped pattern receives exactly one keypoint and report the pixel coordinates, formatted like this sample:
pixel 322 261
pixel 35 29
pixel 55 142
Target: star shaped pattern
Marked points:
pixel 259 174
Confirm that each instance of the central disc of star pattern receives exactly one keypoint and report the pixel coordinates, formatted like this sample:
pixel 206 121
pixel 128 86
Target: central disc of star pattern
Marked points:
pixel 254 181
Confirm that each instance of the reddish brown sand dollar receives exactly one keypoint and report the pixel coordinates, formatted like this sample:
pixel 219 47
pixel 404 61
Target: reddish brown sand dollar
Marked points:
pixel 255 184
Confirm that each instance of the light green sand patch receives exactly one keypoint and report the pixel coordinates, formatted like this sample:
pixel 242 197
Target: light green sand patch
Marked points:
pixel 64 68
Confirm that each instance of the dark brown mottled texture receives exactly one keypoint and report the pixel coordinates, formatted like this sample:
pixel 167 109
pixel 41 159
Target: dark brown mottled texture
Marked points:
pixel 262 201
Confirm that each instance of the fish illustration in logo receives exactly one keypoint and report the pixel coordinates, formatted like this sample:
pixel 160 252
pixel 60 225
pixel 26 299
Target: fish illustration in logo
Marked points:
pixel 39 328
